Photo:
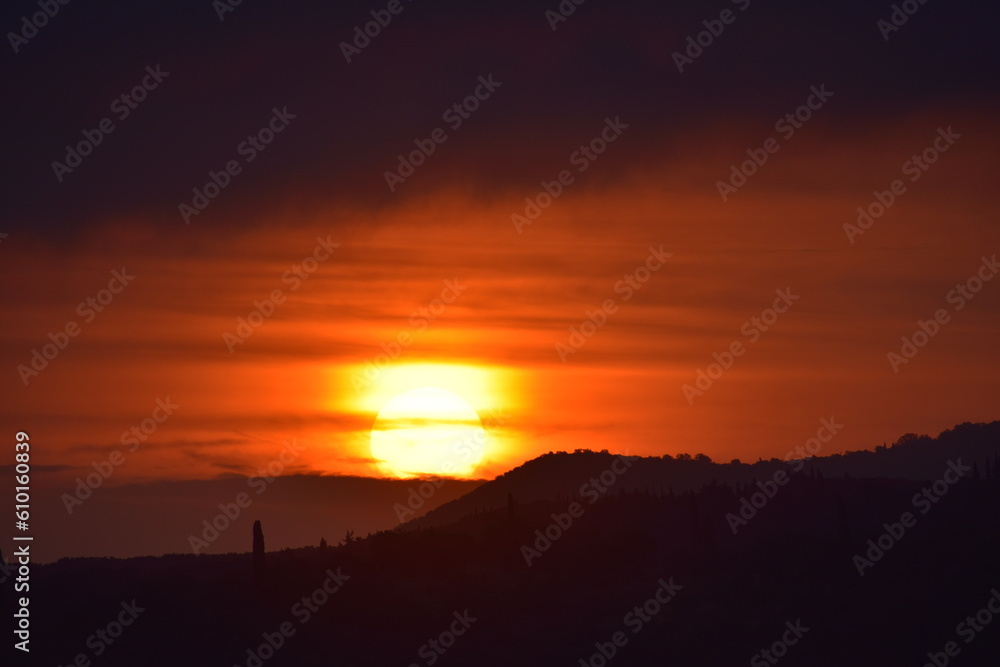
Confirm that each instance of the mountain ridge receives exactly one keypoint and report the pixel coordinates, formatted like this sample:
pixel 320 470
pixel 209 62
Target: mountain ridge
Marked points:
pixel 911 457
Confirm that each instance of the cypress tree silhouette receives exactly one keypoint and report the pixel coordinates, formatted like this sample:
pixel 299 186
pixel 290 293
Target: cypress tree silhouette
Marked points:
pixel 511 507
pixel 258 552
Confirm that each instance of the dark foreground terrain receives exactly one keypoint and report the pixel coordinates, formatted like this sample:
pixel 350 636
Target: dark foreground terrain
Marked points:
pixel 823 567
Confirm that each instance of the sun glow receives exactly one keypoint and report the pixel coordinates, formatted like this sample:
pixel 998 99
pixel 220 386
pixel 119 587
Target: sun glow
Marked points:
pixel 371 388
pixel 399 430
pixel 428 431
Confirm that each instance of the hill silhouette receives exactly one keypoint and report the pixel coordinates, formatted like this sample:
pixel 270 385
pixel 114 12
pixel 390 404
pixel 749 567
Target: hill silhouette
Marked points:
pixel 652 571
pixel 560 474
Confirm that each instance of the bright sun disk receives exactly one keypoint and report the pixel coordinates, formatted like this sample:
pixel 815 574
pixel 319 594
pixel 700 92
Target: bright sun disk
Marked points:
pixel 428 431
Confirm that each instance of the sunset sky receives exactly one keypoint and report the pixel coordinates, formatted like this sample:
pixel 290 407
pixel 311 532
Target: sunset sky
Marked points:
pixel 438 258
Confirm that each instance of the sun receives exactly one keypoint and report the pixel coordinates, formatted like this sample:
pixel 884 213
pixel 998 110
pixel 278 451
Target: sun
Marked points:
pixel 428 431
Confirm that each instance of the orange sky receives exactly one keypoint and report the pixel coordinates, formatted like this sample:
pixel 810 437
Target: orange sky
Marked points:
pixel 162 336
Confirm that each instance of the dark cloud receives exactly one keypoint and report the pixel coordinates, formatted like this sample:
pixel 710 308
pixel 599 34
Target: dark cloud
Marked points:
pixel 607 59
